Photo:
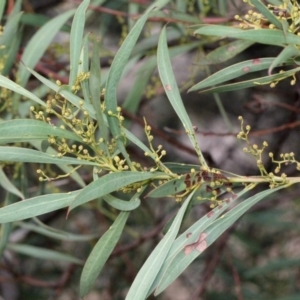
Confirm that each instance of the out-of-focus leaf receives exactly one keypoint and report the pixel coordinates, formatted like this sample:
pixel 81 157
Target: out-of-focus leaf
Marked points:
pixel 6 228
pixel 10 30
pixel 10 56
pixel 147 274
pixel 55 233
pixel 39 20
pixel 43 37
pixel 36 206
pixel 263 36
pixel 272 266
pixel 157 5
pixel 16 154
pixel 226 52
pixel 44 254
pixel 170 86
pixel 27 130
pixel 9 84
pixel 8 185
pixel 2 6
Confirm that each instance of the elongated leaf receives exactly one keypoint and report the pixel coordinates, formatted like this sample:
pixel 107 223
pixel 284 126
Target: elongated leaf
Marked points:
pixel 147 274
pixel 43 37
pixel 10 57
pixel 226 52
pixel 143 75
pixel 36 206
pixel 102 251
pixel 76 40
pixel 285 54
pixel 8 186
pixel 252 82
pixel 169 188
pixel 110 183
pixel 6 228
pixel 10 30
pixel 170 86
pixel 265 11
pixel 2 6
pixel 182 259
pixel 158 4
pixel 44 254
pixel 114 77
pixel 95 91
pixel 185 238
pixel 9 84
pixel 16 154
pixel 122 204
pixel 272 266
pixel 236 71
pixel 55 233
pixel 83 68
pixel 27 130
pixel 100 254
pixel 263 36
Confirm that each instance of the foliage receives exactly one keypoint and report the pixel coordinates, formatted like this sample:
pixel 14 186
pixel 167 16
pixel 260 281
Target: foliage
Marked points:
pixel 68 129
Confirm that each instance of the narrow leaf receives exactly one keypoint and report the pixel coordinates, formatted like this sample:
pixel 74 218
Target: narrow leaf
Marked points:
pixel 147 274
pixel 114 76
pixel 95 91
pixel 265 11
pixel 170 86
pixel 43 37
pixel 55 233
pixel 9 84
pixel 183 259
pixel 236 71
pixel 83 68
pixel 36 206
pixel 263 36
pixel 110 183
pixel 288 52
pixel 16 154
pixel 102 251
pixel 76 40
pixel 122 204
pixel 226 52
pixel 8 186
pixel 44 254
pixel 27 130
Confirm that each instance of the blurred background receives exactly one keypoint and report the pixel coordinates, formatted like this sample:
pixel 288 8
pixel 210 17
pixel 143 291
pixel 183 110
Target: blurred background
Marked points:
pixel 259 256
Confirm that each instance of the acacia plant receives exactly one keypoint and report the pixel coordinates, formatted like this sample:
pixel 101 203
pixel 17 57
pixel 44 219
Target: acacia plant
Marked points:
pixel 81 124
